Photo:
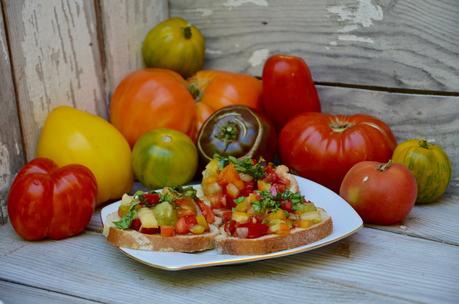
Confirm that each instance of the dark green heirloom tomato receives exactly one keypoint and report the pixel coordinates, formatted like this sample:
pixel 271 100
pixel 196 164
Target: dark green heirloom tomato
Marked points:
pixel 236 131
pixel 174 44
pixel 164 157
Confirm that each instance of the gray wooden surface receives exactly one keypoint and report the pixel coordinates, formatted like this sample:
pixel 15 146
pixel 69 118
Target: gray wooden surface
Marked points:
pixel 371 266
pixel 56 60
pixel 404 44
pixel 11 152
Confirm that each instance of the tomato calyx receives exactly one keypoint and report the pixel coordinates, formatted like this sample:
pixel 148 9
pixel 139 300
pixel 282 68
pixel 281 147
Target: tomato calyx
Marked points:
pixel 423 143
pixel 340 126
pixel 187 32
pixel 228 132
pixel 385 166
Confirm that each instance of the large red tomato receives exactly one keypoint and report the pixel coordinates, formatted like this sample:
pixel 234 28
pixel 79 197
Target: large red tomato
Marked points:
pixel 149 99
pixel 288 89
pixel 217 89
pixel 323 147
pixel 47 201
pixel 381 193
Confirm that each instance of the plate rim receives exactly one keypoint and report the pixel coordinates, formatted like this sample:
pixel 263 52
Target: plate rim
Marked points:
pixel 245 259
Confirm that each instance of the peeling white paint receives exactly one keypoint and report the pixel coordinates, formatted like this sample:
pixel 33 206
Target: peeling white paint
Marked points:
pixel 5 170
pixel 355 38
pixel 333 43
pixel 213 52
pixel 18 151
pixel 205 12
pixel 258 57
pixel 234 3
pixel 366 12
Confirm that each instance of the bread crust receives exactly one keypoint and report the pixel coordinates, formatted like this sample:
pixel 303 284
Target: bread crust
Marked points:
pixel 154 242
pixel 272 243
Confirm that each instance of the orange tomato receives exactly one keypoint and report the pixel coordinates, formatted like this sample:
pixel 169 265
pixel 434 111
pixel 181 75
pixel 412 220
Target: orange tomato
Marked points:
pixel 214 90
pixel 148 99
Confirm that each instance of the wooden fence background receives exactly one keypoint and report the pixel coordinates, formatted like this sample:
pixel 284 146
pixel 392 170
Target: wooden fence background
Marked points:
pixel 398 60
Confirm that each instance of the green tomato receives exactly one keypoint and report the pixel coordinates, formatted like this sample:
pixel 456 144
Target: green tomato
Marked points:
pixel 174 44
pixel 164 157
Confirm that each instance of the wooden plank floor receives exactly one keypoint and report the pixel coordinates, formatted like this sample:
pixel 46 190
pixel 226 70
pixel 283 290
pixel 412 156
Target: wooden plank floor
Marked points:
pixel 371 266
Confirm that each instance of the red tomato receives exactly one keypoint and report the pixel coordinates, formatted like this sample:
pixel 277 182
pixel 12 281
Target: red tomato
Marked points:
pixel 149 99
pixel 151 198
pixel 323 147
pixel 255 230
pixel 184 224
pixel 47 201
pixel 381 194
pixel 167 231
pixel 185 207
pixel 207 212
pixel 288 89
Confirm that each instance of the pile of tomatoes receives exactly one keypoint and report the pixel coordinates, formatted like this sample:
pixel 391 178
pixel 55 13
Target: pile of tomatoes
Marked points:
pixel 168 115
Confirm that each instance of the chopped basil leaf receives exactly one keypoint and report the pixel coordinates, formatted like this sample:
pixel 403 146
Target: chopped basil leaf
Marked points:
pixel 244 165
pixel 239 199
pixel 126 220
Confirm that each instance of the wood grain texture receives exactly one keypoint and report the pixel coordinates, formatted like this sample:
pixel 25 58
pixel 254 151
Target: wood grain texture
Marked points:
pixel 371 266
pixel 401 44
pixel 11 293
pixel 56 60
pixel 125 24
pixel 11 152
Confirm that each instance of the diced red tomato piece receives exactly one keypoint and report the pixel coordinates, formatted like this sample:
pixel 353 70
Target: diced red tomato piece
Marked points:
pixel 151 198
pixel 226 215
pixel 287 205
pixel 149 230
pixel 255 230
pixel 249 186
pixel 206 211
pixel 229 201
pixel 167 231
pixel 230 227
pixel 185 207
pixel 181 227
pixel 190 220
pixel 135 224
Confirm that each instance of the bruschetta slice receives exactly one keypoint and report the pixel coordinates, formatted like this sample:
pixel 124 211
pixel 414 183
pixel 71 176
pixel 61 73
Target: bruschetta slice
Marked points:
pixel 173 220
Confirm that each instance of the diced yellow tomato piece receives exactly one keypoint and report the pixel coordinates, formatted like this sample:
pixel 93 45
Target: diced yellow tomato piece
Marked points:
pixel 240 217
pixel 232 190
pixel 263 186
pixel 277 215
pixel 147 218
pixel 303 223
pixel 243 206
pixel 197 229
pixel 202 221
pixel 211 169
pixel 228 175
pixel 279 227
pixel 123 210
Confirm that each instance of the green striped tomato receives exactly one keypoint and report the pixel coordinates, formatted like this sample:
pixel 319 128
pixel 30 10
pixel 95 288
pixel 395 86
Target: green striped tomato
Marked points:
pixel 174 44
pixel 429 164
pixel 164 157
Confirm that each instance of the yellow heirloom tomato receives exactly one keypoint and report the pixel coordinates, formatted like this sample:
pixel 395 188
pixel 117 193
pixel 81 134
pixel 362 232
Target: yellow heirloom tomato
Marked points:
pixel 70 136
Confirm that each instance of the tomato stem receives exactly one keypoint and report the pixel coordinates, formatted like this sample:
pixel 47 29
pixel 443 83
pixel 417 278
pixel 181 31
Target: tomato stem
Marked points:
pixel 423 143
pixel 187 32
pixel 229 132
pixel 384 167
pixel 340 126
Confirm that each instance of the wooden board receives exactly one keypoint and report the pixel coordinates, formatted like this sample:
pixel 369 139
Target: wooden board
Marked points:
pixel 56 60
pixel 11 152
pixel 402 44
pixel 125 24
pixel 372 266
pixel 11 293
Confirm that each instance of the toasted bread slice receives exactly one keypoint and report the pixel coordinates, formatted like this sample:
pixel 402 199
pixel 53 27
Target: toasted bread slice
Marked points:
pixel 154 242
pixel 272 242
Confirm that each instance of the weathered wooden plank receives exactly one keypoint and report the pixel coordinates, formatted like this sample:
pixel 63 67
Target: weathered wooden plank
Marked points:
pixel 56 60
pixel 11 152
pixel 125 24
pixel 11 293
pixel 402 44
pixel 372 266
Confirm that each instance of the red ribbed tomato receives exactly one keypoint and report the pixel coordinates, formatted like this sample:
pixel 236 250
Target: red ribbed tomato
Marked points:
pixel 150 99
pixel 323 147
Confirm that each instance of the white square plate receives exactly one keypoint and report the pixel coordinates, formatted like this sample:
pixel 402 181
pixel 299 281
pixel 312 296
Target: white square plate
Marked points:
pixel 345 222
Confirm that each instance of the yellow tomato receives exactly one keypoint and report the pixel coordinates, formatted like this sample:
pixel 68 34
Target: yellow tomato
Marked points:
pixel 174 44
pixel 70 136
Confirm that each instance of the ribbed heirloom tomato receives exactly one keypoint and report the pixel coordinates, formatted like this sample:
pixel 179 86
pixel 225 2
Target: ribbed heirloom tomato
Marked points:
pixel 323 147
pixel 151 98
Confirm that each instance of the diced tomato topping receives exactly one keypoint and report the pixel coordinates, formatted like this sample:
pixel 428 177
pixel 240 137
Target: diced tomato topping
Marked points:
pixel 190 220
pixel 287 205
pixel 135 224
pixel 185 207
pixel 151 198
pixel 255 230
pixel 226 215
pixel 229 201
pixel 230 227
pixel 149 230
pixel 181 227
pixel 249 186
pixel 206 211
pixel 167 231
pixel 216 201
